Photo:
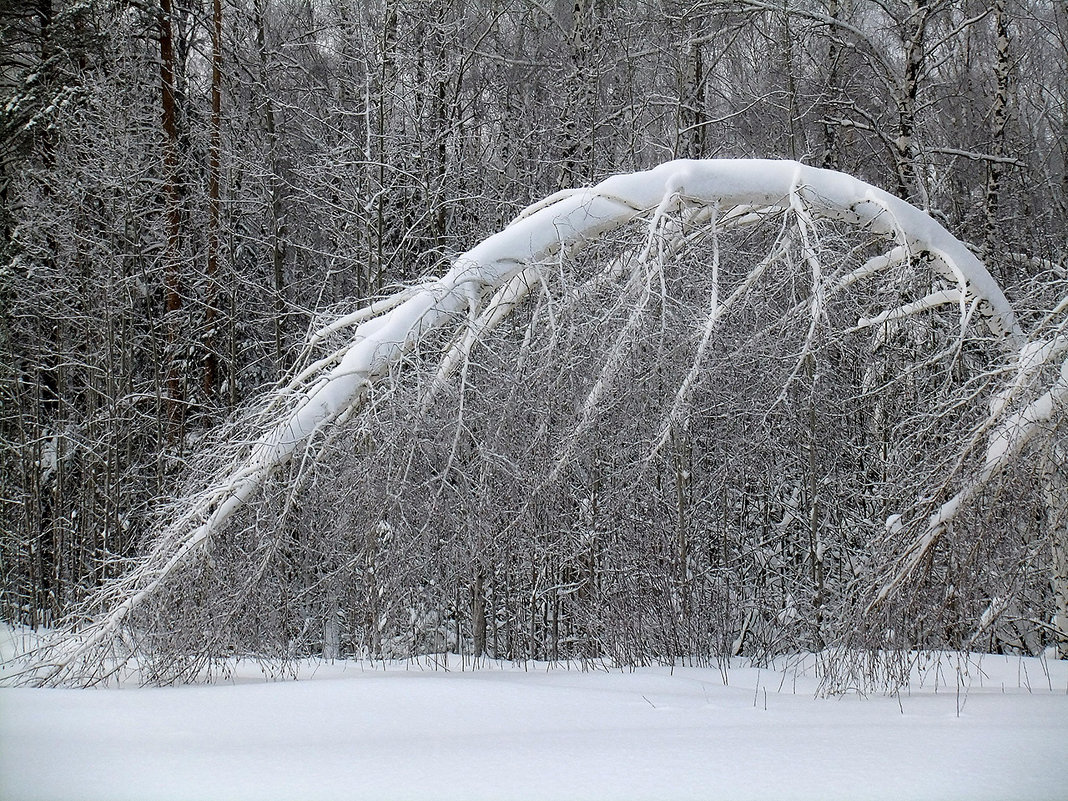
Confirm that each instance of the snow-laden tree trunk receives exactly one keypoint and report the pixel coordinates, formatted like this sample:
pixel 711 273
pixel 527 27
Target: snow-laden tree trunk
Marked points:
pixel 479 290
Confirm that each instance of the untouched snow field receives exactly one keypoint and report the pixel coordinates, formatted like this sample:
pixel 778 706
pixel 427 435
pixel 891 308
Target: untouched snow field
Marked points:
pixel 406 731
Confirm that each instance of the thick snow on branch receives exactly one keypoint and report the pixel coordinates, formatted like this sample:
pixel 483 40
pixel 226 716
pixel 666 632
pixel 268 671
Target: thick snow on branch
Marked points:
pixel 935 299
pixel 327 392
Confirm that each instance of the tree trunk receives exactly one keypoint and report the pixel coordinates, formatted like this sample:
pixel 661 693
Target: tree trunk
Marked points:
pixel 905 149
pixel 478 614
pixel 1056 487
pixel 831 156
pixel 383 89
pixel 580 97
pixel 211 360
pixel 277 217
pixel 999 114
pixel 172 278
pixel 692 118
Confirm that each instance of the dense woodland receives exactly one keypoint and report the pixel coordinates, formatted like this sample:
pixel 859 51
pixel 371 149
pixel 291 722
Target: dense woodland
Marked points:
pixel 187 189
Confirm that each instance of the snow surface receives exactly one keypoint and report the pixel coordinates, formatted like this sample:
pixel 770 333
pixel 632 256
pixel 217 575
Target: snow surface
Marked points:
pixel 406 731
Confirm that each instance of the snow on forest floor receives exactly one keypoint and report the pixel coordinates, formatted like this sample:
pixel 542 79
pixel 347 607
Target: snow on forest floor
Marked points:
pixel 502 731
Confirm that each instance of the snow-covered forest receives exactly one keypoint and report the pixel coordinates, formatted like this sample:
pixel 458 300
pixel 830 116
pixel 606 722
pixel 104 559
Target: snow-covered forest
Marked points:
pixel 518 329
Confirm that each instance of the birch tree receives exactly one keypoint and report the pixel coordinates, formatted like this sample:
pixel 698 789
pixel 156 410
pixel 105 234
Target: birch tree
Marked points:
pixel 675 203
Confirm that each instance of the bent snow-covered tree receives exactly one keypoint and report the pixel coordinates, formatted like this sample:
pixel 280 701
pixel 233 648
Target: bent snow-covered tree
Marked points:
pixel 719 407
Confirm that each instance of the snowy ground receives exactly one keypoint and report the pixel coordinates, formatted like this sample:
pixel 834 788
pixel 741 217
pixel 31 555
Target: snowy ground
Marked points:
pixel 358 731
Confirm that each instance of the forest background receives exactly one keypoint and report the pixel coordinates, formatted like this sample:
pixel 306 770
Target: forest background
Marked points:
pixel 186 190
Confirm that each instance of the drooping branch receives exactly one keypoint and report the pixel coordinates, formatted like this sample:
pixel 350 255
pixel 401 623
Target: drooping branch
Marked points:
pixel 1006 436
